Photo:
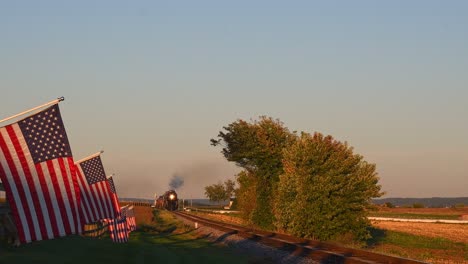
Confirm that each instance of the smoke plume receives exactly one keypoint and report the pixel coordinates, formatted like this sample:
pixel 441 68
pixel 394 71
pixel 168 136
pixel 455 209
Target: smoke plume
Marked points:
pixel 176 182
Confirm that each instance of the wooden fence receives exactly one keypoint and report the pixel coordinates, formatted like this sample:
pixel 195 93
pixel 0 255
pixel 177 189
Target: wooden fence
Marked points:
pixel 145 204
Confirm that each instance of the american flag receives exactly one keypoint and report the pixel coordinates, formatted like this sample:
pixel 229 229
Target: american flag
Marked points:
pixel 118 229
pixel 38 172
pixel 96 196
pixel 128 212
pixel 115 198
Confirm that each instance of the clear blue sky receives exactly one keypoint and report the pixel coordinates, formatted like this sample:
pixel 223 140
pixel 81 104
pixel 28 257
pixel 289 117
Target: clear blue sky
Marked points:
pixel 150 82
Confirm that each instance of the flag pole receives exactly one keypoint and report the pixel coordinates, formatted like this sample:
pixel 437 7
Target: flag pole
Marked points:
pixel 90 157
pixel 56 101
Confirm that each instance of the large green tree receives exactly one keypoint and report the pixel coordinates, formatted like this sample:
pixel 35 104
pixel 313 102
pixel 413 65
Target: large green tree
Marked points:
pixel 257 147
pixel 325 189
pixel 309 185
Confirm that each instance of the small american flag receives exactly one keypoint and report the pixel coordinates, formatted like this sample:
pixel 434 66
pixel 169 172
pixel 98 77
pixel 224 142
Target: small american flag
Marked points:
pixel 96 196
pixel 115 198
pixel 38 172
pixel 118 229
pixel 128 212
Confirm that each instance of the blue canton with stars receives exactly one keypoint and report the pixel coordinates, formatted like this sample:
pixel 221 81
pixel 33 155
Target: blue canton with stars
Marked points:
pixel 111 184
pixel 45 135
pixel 93 170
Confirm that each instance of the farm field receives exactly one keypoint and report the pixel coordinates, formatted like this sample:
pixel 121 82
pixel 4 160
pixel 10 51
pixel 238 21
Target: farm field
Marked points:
pixel 421 213
pixel 453 232
pixel 159 239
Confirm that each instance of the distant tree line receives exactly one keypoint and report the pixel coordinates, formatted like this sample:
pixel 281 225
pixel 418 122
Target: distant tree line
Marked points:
pixel 220 191
pixel 309 185
pixel 426 202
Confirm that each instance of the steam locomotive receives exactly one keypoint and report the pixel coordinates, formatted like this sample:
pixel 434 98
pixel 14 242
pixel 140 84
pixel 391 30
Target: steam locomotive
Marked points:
pixel 167 201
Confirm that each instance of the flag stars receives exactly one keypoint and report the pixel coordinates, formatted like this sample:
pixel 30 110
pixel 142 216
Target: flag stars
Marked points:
pixel 45 135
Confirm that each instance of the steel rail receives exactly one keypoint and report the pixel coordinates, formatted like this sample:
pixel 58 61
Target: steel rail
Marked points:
pixel 316 250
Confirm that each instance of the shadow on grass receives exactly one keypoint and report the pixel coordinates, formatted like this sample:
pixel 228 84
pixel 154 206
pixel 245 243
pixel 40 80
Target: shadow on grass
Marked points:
pixel 162 241
pixel 224 236
pixel 377 236
pixel 164 230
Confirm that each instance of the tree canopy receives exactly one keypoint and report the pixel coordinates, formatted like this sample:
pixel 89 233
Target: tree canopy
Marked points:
pixel 310 185
pixel 325 189
pixel 257 147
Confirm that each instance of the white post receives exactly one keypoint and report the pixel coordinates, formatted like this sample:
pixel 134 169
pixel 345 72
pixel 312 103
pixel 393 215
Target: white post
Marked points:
pixel 56 101
pixel 90 157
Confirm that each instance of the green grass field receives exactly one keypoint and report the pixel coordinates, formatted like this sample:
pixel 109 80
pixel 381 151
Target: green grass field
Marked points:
pixel 433 250
pixel 164 241
pixel 414 216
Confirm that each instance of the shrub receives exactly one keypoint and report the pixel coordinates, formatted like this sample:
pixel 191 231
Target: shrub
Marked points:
pixel 325 189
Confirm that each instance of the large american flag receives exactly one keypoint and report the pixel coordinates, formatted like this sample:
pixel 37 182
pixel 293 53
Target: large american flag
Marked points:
pixel 96 196
pixel 38 172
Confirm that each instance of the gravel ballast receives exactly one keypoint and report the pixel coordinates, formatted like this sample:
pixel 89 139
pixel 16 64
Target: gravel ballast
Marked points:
pixel 261 253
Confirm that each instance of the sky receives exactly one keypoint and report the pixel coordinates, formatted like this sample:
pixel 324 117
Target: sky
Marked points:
pixel 151 82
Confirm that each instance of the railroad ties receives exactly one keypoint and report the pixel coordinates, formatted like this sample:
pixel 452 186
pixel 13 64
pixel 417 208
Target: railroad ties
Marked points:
pixel 313 249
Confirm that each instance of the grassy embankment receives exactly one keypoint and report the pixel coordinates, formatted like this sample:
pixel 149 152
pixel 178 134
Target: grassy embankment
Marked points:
pixel 402 244
pixel 162 239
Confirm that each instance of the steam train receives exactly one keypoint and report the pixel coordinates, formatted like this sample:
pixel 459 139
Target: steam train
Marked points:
pixel 167 201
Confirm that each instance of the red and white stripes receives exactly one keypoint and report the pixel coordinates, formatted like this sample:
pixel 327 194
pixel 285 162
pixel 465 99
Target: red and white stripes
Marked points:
pixel 97 199
pixel 118 229
pixel 128 212
pixel 44 197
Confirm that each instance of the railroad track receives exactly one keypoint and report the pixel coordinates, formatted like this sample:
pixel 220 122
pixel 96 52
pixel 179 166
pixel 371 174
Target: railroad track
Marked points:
pixel 315 250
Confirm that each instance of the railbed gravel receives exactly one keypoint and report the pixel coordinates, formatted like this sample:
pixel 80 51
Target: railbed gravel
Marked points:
pixel 260 253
